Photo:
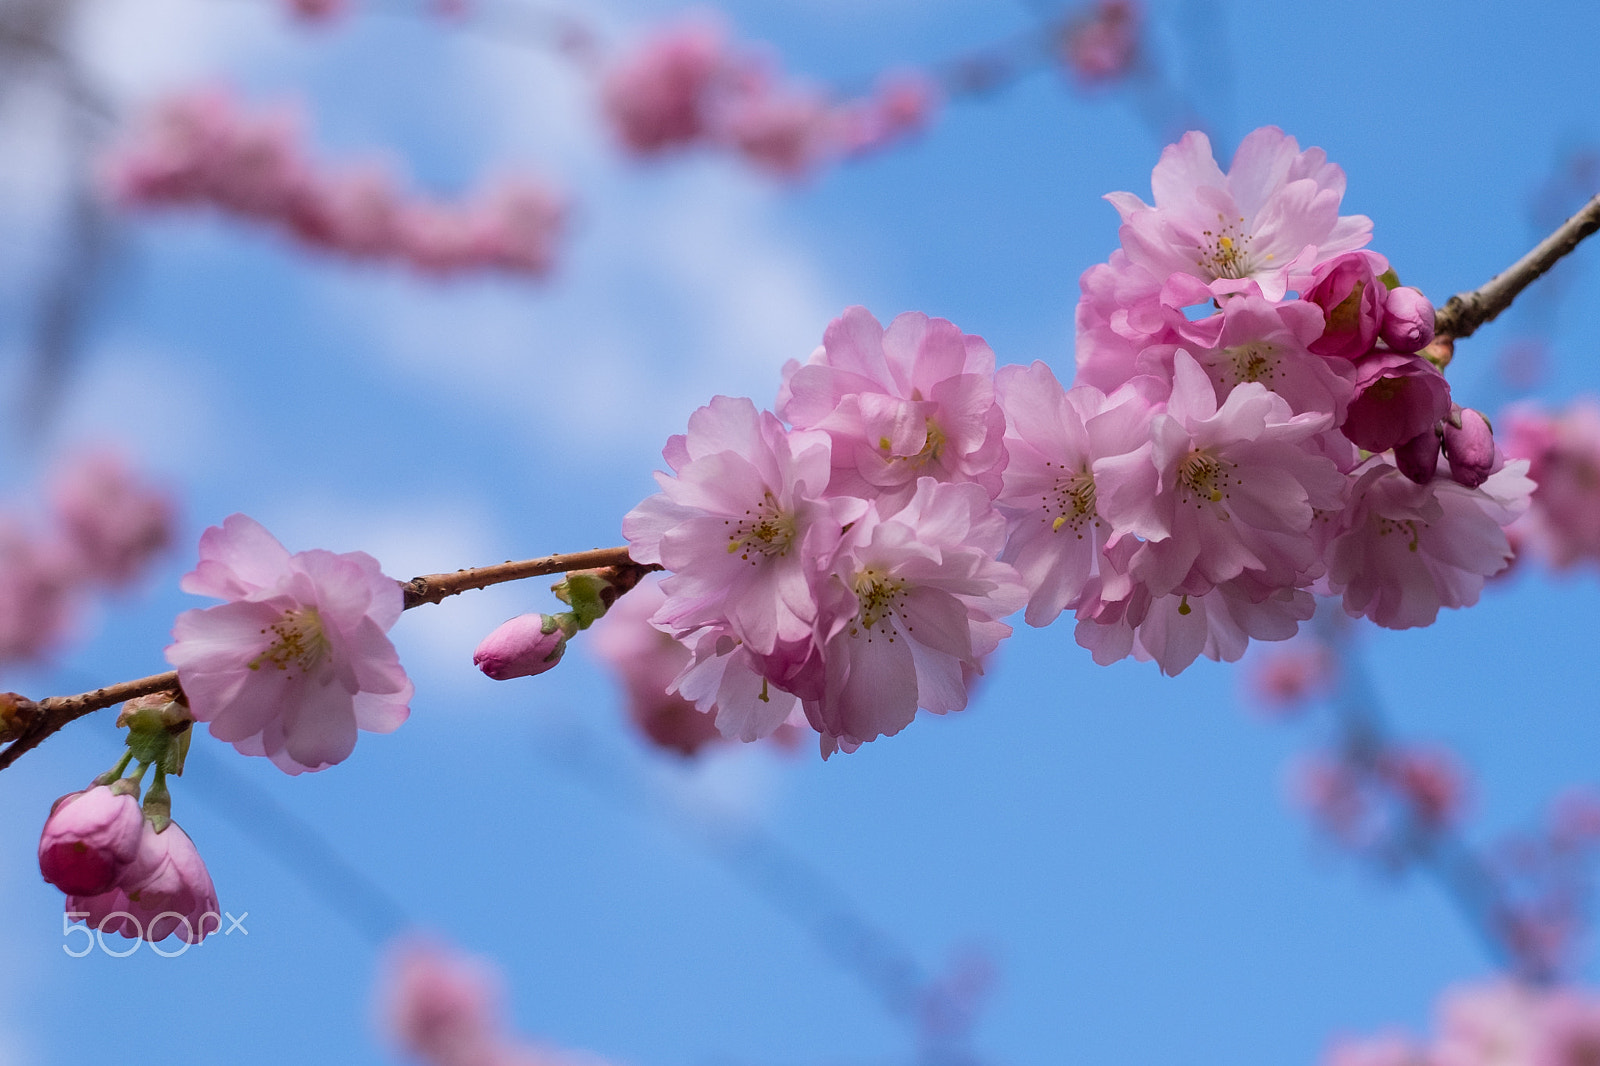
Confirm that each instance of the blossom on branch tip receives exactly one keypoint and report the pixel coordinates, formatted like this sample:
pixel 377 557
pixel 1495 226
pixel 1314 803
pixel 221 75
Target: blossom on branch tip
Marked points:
pixel 1272 218
pixel 297 660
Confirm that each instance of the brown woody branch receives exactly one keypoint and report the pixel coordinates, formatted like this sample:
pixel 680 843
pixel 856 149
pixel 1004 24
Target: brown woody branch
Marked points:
pixel 1464 312
pixel 26 723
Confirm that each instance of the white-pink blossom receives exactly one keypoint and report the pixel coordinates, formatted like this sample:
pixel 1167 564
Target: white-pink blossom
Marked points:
pixel 1271 218
pixel 925 598
pixel 112 522
pixel 1066 448
pixel 1405 550
pixel 912 401
pixel 1239 484
pixel 298 659
pixel 744 528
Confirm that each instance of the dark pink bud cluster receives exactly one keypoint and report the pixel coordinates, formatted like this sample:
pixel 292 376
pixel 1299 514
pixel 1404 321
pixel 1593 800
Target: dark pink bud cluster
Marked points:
pixel 1205 280
pixel 106 527
pixel 199 148
pixel 1563 447
pixel 687 85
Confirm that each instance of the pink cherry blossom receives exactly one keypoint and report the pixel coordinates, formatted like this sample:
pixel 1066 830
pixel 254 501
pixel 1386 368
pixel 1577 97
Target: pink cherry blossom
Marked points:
pixel 1284 679
pixel 165 891
pixel 724 680
pixel 37 589
pixel 1272 218
pixel 1102 45
pixel 926 598
pixel 1238 488
pixel 783 130
pixel 911 401
pixel 657 94
pixel 442 1007
pixel 202 148
pixel 1405 550
pixel 1066 448
pixel 90 838
pixel 1254 340
pixel 1174 630
pixel 743 527
pixel 113 523
pixel 1563 451
pixel 297 660
pixel 1120 313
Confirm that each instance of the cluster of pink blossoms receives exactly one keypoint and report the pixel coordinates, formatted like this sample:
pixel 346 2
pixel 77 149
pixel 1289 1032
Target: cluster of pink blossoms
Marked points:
pixel 855 552
pixel 106 526
pixel 1563 450
pixel 1289 436
pixel 686 86
pixel 199 148
pixel 1499 1024
pixel 847 564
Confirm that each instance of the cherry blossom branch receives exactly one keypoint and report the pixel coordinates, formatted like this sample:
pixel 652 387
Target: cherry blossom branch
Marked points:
pixel 26 723
pixel 1464 312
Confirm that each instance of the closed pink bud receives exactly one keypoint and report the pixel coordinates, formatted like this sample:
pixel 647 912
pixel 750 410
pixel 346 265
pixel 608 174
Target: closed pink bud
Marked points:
pixel 1407 320
pixel 1470 448
pixel 529 644
pixel 1398 397
pixel 1418 458
pixel 89 839
pixel 1351 296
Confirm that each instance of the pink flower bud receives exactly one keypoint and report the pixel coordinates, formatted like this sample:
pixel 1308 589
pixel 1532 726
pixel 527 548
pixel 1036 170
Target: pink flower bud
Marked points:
pixel 1398 397
pixel 165 890
pixel 1407 320
pixel 529 644
pixel 1352 299
pixel 1418 458
pixel 89 839
pixel 1470 448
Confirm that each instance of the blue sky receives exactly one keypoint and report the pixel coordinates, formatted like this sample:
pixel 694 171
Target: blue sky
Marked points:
pixel 1118 844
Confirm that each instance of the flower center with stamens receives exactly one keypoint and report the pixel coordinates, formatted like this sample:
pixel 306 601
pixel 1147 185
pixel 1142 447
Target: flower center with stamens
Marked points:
pixel 879 596
pixel 1253 362
pixel 1073 501
pixel 765 530
pixel 1225 251
pixel 1203 475
pixel 298 640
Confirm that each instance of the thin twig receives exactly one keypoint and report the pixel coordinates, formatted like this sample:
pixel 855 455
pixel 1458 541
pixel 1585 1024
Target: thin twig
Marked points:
pixel 1464 312
pixel 27 723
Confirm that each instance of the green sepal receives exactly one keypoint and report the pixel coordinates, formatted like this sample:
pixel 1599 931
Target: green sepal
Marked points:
pixel 588 594
pixel 1390 279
